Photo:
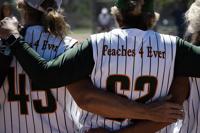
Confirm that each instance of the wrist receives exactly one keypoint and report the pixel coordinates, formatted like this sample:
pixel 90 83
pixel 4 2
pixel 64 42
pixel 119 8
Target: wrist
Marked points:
pixel 141 112
pixel 147 112
pixel 15 34
pixel 12 39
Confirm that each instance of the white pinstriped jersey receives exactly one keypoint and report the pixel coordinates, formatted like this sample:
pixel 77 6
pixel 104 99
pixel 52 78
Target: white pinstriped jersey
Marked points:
pixel 27 110
pixel 133 63
pixel 191 121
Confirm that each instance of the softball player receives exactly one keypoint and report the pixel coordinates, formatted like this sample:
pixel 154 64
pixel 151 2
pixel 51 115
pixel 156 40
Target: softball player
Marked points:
pixel 191 120
pixel 25 109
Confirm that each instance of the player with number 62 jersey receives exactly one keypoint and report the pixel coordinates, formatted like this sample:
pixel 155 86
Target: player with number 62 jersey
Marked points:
pixel 137 67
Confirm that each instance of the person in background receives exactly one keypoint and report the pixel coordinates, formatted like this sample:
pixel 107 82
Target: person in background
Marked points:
pixel 105 20
pixel 6 10
pixel 178 14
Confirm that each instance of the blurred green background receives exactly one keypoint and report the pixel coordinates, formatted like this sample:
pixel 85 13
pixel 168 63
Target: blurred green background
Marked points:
pixel 82 15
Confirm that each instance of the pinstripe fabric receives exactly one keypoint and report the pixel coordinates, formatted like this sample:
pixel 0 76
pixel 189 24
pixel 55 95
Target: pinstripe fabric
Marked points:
pixel 130 53
pixel 167 78
pixel 191 121
pixel 11 119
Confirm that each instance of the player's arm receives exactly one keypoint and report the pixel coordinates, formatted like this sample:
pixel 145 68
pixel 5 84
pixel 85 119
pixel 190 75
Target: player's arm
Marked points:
pixel 77 63
pixel 179 92
pixel 187 59
pixel 73 65
pixel 180 84
pixel 114 106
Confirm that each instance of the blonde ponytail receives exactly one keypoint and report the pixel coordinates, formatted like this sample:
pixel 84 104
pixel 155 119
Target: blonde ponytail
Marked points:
pixel 55 24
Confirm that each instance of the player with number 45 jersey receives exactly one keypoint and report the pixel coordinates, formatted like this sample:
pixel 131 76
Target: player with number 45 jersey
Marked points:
pixel 25 109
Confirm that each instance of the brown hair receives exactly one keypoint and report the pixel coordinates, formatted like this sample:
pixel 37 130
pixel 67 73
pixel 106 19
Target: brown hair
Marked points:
pixel 53 21
pixel 127 18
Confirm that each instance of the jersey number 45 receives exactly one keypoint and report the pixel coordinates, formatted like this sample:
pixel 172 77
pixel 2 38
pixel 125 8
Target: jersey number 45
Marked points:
pixel 23 98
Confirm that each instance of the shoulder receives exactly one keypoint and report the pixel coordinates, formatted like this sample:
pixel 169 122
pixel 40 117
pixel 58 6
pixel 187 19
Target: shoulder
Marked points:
pixel 35 28
pixel 182 43
pixel 95 38
pixel 30 30
pixel 166 38
pixel 69 41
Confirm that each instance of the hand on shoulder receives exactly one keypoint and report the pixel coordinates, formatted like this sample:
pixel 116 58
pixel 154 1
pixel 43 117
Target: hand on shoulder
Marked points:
pixel 8 26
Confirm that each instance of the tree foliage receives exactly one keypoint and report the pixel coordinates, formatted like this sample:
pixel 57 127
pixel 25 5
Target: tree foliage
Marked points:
pixel 78 12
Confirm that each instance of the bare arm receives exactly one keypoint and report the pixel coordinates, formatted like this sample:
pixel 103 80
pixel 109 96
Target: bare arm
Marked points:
pixel 179 92
pixel 114 106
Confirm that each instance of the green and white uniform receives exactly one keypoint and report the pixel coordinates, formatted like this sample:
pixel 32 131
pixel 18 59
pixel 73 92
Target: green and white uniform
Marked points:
pixel 25 109
pixel 137 64
pixel 134 63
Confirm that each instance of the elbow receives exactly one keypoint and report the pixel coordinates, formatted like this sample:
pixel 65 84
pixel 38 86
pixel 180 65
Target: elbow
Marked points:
pixel 37 78
pixel 86 102
pixel 39 75
pixel 94 105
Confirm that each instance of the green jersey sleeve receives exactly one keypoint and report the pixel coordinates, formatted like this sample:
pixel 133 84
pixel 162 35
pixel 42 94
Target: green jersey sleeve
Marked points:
pixel 187 61
pixel 4 67
pixel 75 64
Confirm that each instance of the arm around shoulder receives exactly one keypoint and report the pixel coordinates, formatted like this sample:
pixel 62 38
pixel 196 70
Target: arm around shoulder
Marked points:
pixel 75 64
pixel 187 61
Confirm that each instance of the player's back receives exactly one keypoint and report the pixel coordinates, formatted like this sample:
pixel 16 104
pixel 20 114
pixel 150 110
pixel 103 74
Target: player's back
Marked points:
pixel 141 61
pixel 25 109
pixel 134 63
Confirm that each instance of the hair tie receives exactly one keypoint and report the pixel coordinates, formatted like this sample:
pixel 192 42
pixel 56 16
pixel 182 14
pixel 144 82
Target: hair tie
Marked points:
pixel 49 9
